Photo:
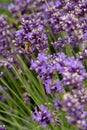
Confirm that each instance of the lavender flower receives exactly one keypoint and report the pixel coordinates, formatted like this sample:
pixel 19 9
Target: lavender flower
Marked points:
pixel 2 127
pixel 2 97
pixel 82 55
pixel 71 69
pixel 44 66
pixel 58 104
pixel 81 95
pixel 59 45
pixel 6 45
pixel 23 5
pixel 53 87
pixel 74 73
pixel 5 36
pixel 74 105
pixel 43 116
pixel 14 10
pixel 32 32
pixel 20 7
pixel 3 6
pixel 66 21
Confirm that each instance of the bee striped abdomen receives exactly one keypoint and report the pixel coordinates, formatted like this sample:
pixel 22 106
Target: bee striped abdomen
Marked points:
pixel 28 47
pixel 57 122
pixel 56 119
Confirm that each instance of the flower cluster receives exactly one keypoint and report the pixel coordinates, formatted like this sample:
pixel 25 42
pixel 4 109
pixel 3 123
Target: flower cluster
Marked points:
pixel 5 36
pixel 82 55
pixel 71 69
pixel 20 7
pixel 43 116
pixel 65 19
pixel 46 70
pixel 32 32
pixel 74 73
pixel 59 45
pixel 75 105
pixel 6 46
pixel 41 33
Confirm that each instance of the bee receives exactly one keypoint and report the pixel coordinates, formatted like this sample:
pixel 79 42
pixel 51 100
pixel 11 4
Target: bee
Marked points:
pixel 56 119
pixel 57 122
pixel 28 47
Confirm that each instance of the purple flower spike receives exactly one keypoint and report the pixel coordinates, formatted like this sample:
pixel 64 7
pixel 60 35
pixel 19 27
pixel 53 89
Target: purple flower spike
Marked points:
pixel 2 127
pixel 43 116
pixel 74 105
pixel 58 104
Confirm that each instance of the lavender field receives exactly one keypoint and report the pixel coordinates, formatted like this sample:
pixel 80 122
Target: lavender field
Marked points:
pixel 43 64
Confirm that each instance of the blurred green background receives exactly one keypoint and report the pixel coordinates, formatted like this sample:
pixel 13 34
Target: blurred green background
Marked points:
pixel 4 11
pixel 5 1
